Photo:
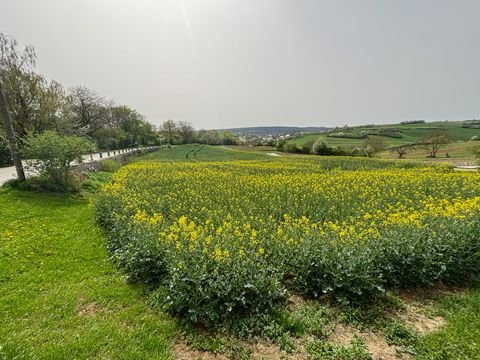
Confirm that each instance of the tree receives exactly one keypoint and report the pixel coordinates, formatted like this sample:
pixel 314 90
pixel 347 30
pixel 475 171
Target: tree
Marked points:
pixel 209 137
pixel 228 138
pixel 54 111
pixel 373 145
pixel 11 136
pixel 91 112
pixel 21 84
pixel 434 141
pixel 402 150
pixel 320 147
pixel 55 154
pixel 186 132
pixel 34 104
pixel 169 132
pixel 128 121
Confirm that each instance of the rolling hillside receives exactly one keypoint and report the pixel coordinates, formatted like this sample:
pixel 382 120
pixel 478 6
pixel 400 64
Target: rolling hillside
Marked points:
pixel 459 133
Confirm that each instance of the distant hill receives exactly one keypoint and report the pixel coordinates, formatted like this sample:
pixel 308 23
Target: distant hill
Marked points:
pixel 407 132
pixel 275 130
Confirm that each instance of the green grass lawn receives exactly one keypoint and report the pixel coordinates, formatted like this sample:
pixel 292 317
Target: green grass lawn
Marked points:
pixel 60 297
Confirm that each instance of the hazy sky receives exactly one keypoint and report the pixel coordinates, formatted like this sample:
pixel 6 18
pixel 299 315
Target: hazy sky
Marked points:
pixel 228 63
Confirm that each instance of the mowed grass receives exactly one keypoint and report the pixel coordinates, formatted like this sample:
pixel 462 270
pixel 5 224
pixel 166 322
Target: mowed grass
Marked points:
pixel 60 297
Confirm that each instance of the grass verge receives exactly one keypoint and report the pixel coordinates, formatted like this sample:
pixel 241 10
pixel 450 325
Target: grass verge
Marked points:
pixel 60 297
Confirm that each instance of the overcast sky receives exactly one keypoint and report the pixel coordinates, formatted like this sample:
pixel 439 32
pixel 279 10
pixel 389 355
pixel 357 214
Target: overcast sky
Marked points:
pixel 233 63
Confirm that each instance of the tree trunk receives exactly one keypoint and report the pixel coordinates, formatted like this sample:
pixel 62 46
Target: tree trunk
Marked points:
pixel 17 161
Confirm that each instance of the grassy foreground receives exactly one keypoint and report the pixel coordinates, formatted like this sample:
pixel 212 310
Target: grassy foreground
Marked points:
pixel 61 298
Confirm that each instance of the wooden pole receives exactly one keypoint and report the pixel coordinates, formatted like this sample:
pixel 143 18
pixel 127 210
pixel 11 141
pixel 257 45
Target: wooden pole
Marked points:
pixel 17 160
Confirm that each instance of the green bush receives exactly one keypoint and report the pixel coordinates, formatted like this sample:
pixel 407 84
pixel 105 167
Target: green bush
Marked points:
pixel 94 181
pixel 291 148
pixel 53 155
pixel 110 166
pixel 43 184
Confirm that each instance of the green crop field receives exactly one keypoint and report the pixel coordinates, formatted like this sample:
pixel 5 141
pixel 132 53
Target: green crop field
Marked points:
pixel 196 152
pixel 70 290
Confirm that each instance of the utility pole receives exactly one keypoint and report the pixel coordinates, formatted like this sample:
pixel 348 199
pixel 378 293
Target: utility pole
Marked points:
pixel 17 161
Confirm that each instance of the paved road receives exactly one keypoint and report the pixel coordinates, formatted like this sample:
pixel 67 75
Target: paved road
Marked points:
pixel 8 173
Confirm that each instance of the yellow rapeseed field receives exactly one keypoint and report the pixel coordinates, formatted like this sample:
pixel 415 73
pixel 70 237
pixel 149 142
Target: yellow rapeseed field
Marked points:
pixel 350 229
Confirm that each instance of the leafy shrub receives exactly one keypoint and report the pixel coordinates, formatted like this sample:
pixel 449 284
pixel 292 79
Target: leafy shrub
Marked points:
pixel 110 166
pixel 291 148
pixel 43 184
pixel 321 148
pixel 53 155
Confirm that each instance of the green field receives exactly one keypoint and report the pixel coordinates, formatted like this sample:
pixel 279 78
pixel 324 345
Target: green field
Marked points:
pixel 196 152
pixel 410 133
pixel 62 298
pixel 458 152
